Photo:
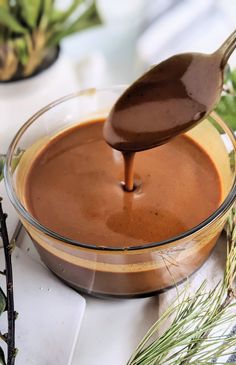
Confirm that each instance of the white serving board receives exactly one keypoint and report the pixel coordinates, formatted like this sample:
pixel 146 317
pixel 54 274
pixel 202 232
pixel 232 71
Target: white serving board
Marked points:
pixel 50 313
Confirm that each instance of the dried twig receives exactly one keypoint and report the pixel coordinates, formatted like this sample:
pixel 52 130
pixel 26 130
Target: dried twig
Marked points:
pixel 11 314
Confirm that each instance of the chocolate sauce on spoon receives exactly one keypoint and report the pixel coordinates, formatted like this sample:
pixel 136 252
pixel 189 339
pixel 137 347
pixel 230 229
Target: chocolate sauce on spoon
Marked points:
pixel 166 101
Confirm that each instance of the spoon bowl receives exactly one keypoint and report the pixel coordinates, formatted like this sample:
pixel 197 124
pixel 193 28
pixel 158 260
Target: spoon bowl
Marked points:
pixel 168 100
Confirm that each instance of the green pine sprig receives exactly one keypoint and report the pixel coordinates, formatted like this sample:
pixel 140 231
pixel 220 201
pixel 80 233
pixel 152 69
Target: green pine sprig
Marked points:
pixel 197 334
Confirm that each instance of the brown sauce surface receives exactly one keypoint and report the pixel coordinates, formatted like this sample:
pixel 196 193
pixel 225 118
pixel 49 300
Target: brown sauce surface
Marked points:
pixel 74 188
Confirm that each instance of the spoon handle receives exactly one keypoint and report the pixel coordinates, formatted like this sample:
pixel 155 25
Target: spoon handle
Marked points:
pixel 227 48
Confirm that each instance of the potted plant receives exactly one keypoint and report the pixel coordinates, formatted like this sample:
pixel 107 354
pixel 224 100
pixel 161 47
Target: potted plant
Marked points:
pixel 30 35
pixel 30 31
pixel 32 73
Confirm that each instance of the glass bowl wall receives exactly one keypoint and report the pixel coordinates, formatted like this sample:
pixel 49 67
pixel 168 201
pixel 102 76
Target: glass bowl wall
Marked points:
pixel 135 271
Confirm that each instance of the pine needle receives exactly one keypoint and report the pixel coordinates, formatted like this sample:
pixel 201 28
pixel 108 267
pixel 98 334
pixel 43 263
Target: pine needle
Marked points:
pixel 198 332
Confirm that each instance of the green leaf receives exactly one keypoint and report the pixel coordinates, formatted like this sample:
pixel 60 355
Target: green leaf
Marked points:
pixel 3 301
pixel 227 109
pixel 16 159
pixel 227 73
pixel 227 105
pixel 30 11
pixel 4 3
pixel 233 79
pixel 62 16
pixel 88 19
pixel 47 8
pixel 2 357
pixel 2 162
pixel 21 48
pixel 9 21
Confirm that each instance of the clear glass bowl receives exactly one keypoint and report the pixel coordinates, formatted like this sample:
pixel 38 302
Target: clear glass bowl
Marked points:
pixel 135 271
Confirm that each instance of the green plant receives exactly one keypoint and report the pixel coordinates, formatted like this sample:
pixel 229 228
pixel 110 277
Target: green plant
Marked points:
pixel 30 29
pixel 226 108
pixel 15 161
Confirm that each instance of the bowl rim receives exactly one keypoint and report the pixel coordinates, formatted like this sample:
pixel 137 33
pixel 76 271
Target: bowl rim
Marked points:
pixel 218 213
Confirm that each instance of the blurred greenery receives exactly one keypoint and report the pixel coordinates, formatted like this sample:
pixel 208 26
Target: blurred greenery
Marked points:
pixel 30 29
pixel 3 307
pixel 2 161
pixel 226 108
pixel 3 301
pixel 2 357
pixel 15 161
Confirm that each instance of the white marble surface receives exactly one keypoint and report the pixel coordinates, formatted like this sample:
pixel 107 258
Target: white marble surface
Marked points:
pixel 50 313
pixel 22 99
pixel 110 328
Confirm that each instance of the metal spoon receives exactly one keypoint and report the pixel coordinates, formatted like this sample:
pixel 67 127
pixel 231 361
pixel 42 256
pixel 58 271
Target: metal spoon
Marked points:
pixel 168 100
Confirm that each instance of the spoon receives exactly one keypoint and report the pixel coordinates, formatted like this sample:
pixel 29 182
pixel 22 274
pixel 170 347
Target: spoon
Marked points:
pixel 168 100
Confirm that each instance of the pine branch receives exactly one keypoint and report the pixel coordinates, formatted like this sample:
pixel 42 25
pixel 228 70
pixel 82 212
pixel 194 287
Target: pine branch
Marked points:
pixel 191 337
pixel 193 349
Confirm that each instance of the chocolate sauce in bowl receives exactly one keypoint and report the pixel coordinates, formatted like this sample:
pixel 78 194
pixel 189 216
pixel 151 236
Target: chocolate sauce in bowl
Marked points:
pixel 73 185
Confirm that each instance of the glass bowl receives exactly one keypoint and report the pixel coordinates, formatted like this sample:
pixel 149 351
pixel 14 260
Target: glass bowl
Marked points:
pixel 133 271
